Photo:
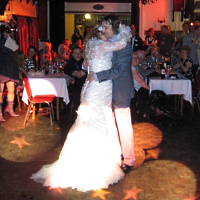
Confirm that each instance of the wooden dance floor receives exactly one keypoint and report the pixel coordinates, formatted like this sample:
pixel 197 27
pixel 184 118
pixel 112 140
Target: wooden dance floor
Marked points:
pixel 167 166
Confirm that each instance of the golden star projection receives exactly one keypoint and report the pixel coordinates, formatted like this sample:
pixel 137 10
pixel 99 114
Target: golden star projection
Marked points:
pixel 192 198
pixel 20 141
pixel 152 154
pixel 132 193
pixel 56 189
pixel 100 193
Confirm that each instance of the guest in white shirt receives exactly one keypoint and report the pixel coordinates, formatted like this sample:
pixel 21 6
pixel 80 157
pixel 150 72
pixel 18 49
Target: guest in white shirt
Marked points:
pixel 143 69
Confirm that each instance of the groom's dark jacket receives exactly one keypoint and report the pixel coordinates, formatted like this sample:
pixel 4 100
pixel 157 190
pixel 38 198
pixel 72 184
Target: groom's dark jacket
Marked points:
pixel 121 75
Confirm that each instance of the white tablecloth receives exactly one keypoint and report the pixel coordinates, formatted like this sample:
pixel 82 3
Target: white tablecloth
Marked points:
pixel 173 86
pixel 42 86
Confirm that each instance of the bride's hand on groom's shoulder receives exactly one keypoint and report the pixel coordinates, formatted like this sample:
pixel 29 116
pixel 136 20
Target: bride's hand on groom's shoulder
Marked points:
pixel 91 76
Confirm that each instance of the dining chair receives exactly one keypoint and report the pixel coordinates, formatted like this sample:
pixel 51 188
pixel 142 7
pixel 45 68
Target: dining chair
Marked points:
pixel 48 99
pixel 19 91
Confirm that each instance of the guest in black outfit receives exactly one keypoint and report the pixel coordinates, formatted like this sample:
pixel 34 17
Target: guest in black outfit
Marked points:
pixel 9 73
pixel 165 42
pixel 185 64
pixel 74 70
pixel 136 41
pixel 151 38
pixel 87 30
pixel 76 36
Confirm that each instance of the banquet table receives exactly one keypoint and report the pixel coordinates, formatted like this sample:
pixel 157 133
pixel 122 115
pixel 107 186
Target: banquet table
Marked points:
pixel 48 85
pixel 181 86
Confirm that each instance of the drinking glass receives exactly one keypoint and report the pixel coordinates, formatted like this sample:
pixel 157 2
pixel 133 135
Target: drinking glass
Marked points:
pixel 167 70
pixel 61 69
pixel 51 70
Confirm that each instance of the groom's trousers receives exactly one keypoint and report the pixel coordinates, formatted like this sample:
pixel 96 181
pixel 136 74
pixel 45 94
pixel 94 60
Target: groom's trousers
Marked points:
pixel 125 130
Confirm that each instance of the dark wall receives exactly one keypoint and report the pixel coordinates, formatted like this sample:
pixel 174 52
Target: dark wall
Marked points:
pixel 189 9
pixel 57 23
pixel 135 12
pixel 42 19
pixel 3 4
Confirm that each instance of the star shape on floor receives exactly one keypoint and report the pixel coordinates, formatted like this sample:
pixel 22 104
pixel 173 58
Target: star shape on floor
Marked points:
pixel 100 193
pixel 57 189
pixel 192 198
pixel 132 193
pixel 20 141
pixel 153 154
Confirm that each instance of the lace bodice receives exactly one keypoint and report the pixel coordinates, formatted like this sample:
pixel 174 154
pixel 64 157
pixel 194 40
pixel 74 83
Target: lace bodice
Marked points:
pixel 100 52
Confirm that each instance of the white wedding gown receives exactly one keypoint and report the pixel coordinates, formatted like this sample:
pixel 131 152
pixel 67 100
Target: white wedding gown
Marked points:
pixel 91 156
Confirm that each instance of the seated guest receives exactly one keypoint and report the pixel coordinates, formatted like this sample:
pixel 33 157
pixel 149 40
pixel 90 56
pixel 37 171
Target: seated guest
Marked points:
pixel 142 91
pixel 45 55
pixel 143 67
pixel 154 56
pixel 151 38
pixel 30 60
pixel 185 64
pixel 61 56
pixel 66 42
pixel 53 53
pixel 74 70
pixel 19 59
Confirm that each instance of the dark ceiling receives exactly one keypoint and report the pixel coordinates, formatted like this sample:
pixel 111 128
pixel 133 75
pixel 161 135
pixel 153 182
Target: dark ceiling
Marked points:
pixel 3 4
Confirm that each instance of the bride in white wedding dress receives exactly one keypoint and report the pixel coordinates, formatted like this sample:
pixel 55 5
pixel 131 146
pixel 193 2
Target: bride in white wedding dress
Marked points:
pixel 91 156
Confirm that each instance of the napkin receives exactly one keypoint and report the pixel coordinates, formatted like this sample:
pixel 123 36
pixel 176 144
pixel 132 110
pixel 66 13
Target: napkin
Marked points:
pixel 11 44
pixel 32 73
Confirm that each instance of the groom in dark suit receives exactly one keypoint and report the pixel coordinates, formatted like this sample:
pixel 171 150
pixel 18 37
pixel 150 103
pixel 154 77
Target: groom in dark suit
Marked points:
pixel 122 92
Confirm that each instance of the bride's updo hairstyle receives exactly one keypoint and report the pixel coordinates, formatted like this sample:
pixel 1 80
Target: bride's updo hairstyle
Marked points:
pixel 113 21
pixel 94 34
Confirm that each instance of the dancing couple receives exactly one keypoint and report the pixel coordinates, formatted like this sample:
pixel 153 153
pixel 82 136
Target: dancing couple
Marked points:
pixel 91 156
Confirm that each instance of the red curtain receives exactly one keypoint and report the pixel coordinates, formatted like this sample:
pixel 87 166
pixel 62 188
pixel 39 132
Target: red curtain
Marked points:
pixel 23 34
pixel 34 35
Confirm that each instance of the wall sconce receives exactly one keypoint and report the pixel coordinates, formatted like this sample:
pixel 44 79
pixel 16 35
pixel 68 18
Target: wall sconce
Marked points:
pixel 161 21
pixel 87 16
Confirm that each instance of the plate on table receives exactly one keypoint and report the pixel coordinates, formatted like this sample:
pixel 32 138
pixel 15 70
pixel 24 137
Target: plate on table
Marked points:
pixel 173 76
pixel 32 74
